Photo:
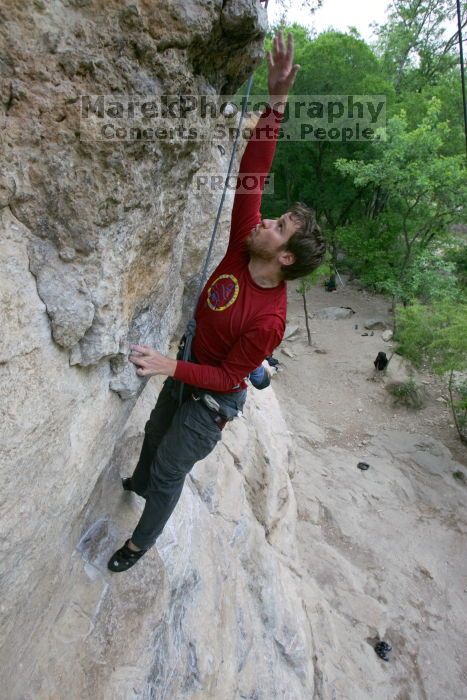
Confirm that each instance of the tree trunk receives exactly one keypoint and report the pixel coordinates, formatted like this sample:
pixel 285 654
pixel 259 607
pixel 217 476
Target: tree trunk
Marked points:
pixel 393 307
pixel 334 253
pixel 306 319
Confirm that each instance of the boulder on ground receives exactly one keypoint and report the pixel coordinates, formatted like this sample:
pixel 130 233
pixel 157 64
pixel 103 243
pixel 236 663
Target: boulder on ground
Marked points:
pixel 291 332
pixel 375 324
pixel 334 313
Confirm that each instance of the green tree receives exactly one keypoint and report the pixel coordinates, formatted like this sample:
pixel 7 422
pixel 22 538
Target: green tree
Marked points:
pixel 331 64
pixel 424 194
pixel 437 335
pixel 418 49
pixel 448 91
pixel 455 252
pixel 415 46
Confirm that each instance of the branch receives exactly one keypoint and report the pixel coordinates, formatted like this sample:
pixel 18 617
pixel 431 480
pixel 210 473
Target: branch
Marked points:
pixel 434 221
pixel 453 40
pixel 343 216
pixel 406 215
pixel 329 218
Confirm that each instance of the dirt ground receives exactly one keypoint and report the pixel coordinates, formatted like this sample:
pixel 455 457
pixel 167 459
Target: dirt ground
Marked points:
pixel 339 386
pixel 383 552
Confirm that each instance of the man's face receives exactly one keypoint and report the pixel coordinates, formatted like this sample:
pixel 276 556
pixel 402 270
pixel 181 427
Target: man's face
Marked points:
pixel 266 241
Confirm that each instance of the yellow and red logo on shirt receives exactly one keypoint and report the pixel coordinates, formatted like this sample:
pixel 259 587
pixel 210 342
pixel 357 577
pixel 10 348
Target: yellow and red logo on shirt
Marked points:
pixel 223 292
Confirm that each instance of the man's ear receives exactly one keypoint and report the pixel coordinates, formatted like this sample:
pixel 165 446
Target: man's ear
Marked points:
pixel 286 257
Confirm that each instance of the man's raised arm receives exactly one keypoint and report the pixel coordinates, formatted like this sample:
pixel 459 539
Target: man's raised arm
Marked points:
pixel 259 153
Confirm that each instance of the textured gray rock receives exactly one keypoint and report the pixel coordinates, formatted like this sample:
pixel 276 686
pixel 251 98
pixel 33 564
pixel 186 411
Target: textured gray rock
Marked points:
pixel 117 211
pixel 7 189
pixel 375 324
pixel 334 313
pixel 101 246
pixel 291 332
pixel 67 299
pixel 243 17
pixel 214 610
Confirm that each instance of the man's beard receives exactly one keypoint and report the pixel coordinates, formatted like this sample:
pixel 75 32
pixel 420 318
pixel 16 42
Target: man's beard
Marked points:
pixel 259 250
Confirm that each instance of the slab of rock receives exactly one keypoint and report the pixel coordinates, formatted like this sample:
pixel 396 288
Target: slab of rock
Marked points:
pixel 112 217
pixel 63 291
pixel 387 336
pixel 7 189
pixel 375 324
pixel 334 313
pixel 96 252
pixel 227 560
pixel 291 332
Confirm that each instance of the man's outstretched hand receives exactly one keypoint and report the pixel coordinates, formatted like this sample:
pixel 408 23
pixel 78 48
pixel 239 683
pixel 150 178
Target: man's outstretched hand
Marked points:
pixel 281 69
pixel 151 362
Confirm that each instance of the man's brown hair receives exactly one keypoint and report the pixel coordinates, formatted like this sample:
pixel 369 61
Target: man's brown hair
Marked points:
pixel 307 243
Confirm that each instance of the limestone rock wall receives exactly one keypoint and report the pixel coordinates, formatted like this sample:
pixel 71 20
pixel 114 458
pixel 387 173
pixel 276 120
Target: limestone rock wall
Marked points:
pixel 100 246
pixel 106 219
pixel 214 610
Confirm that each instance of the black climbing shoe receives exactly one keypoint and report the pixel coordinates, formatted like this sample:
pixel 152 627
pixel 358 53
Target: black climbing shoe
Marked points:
pixel 126 483
pixel 128 486
pixel 382 649
pixel 124 558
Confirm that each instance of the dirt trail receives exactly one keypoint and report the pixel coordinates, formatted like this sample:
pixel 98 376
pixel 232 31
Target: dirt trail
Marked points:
pixel 337 386
pixel 384 551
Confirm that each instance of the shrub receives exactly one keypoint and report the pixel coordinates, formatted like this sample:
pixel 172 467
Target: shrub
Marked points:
pixel 407 393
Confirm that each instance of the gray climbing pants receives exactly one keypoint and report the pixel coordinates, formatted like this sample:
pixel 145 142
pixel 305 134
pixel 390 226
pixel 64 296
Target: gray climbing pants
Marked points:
pixel 176 437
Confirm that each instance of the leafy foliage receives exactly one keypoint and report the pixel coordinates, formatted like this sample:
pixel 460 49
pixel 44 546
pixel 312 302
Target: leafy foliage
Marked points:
pixel 407 393
pixel 424 194
pixel 436 333
pixel 414 44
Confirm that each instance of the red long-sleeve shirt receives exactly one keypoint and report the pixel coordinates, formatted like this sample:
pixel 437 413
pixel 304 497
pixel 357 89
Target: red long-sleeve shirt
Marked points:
pixel 238 322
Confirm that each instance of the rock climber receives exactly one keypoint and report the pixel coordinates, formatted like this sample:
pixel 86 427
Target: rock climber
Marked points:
pixel 240 317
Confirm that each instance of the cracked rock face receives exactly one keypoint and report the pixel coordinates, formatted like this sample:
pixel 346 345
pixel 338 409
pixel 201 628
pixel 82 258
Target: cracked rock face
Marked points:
pixel 215 609
pixel 107 221
pixel 101 246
